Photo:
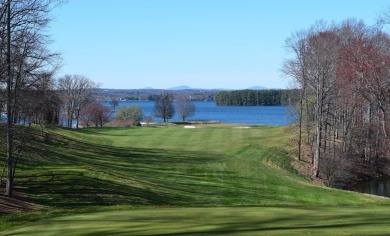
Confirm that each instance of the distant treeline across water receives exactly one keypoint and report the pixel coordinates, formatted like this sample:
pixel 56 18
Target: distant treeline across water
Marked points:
pixel 206 111
pixel 273 97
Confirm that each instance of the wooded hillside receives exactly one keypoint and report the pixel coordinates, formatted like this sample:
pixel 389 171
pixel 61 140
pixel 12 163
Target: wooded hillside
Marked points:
pixel 272 97
pixel 343 75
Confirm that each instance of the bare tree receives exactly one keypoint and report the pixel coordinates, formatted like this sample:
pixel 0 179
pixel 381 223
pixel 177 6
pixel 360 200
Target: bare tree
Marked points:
pixel 95 113
pixel 342 73
pixel 322 77
pixel 314 68
pixel 185 107
pixel 163 106
pixel 25 60
pixel 114 102
pixel 296 68
pixel 75 92
pixel 365 60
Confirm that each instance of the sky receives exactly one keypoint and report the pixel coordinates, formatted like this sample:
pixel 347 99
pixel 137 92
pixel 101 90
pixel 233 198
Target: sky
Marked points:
pixel 230 44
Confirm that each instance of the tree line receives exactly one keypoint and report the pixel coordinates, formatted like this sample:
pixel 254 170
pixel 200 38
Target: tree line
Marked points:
pixel 163 108
pixel 152 94
pixel 272 97
pixel 29 94
pixel 343 78
pixel 26 71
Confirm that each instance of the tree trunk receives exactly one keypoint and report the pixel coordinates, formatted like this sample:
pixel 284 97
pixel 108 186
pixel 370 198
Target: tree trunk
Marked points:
pixel 300 131
pixel 77 118
pixel 367 120
pixel 385 124
pixel 70 120
pixel 318 119
pixel 316 150
pixel 9 184
pixel 308 138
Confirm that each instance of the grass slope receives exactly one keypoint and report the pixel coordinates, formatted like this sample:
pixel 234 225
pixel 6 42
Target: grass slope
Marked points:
pixel 219 221
pixel 91 170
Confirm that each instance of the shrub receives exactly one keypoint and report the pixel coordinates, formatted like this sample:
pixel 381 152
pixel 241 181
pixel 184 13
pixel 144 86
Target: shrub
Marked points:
pixel 129 115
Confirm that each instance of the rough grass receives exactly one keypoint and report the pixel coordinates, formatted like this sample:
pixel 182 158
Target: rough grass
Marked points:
pixel 96 170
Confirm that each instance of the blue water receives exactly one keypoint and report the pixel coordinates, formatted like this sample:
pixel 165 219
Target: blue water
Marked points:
pixel 226 114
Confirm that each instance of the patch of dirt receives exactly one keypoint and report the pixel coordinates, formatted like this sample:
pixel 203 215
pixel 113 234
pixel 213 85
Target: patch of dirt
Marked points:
pixel 17 203
pixel 304 167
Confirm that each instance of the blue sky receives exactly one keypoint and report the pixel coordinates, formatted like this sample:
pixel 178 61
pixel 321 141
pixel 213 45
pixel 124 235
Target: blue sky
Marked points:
pixel 236 44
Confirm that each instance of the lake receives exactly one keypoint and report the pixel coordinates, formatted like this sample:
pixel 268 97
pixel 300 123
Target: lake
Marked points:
pixel 380 187
pixel 248 115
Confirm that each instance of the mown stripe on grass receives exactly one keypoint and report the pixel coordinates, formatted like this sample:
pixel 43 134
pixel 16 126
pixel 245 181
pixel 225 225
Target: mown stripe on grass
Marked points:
pixel 212 167
pixel 218 221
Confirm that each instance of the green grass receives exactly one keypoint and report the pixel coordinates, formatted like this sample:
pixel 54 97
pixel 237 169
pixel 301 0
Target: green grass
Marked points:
pixel 218 221
pixel 145 180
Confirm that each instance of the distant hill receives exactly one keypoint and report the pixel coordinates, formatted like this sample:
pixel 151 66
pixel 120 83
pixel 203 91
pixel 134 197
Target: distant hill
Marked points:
pixel 258 88
pixel 151 94
pixel 184 87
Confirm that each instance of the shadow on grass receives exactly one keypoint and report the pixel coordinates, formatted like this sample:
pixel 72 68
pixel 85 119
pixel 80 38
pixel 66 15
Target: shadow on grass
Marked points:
pixel 220 221
pixel 72 173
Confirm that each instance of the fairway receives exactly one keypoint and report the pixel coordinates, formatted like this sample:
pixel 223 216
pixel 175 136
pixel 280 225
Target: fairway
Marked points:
pixel 219 221
pixel 172 180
